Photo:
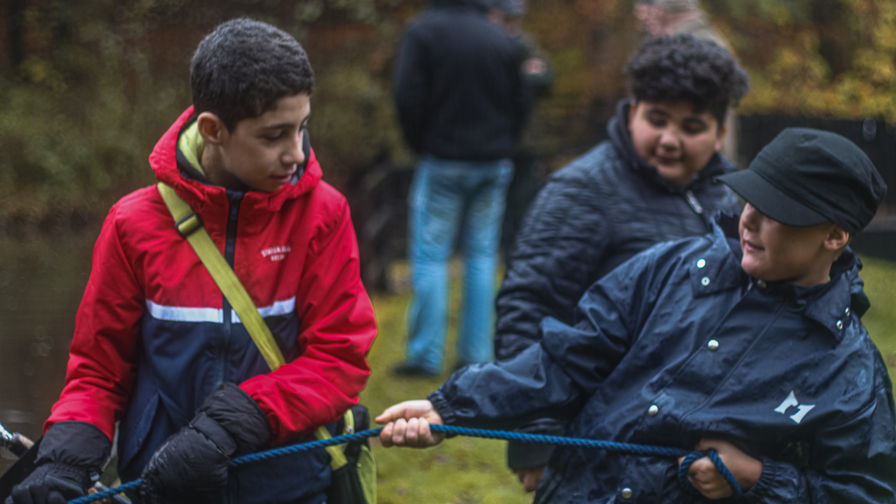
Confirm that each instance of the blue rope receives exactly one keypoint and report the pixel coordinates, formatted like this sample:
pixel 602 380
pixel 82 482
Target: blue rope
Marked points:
pixel 133 485
pixel 717 461
pixel 610 446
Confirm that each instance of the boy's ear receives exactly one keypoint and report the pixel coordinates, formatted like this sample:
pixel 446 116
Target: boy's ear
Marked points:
pixel 723 130
pixel 631 111
pixel 836 239
pixel 212 128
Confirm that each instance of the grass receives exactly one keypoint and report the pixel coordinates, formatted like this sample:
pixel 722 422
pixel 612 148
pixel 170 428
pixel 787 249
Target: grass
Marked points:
pixel 460 471
pixel 467 470
pixel 880 286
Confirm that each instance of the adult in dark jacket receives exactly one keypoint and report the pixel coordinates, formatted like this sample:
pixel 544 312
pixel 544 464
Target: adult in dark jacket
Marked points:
pixel 625 195
pixel 461 102
pixel 457 85
pixel 747 341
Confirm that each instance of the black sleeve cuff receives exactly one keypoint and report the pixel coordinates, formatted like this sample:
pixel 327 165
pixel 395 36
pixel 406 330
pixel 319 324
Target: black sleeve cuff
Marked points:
pixel 75 443
pixel 528 456
pixel 240 416
pixel 441 405
pixel 215 433
pixel 532 455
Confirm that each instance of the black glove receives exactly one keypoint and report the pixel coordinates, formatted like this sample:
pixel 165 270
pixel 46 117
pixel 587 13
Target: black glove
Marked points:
pixel 51 484
pixel 70 459
pixel 193 463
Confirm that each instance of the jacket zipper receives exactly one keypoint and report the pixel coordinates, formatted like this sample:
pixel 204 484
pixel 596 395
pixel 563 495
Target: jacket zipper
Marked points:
pixel 692 201
pixel 234 200
pixel 736 365
pixel 695 205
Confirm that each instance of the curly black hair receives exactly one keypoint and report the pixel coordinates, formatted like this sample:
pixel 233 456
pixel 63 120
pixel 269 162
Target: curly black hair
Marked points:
pixel 684 67
pixel 243 67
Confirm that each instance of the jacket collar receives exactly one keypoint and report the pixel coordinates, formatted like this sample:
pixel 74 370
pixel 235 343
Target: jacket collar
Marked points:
pixel 617 129
pixel 198 192
pixel 831 304
pixel 719 267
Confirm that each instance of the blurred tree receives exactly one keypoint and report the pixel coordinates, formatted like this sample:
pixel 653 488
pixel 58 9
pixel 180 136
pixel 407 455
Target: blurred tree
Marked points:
pixel 87 86
pixel 14 30
pixel 815 57
pixel 90 85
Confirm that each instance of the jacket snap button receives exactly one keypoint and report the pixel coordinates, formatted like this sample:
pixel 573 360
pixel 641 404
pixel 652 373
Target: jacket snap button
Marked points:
pixel 705 281
pixel 653 410
pixel 626 493
pixel 713 345
pixel 840 325
pixel 701 263
pixel 846 311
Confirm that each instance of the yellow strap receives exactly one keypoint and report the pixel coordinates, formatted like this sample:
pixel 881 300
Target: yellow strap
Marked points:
pixel 349 422
pixel 337 457
pixel 189 225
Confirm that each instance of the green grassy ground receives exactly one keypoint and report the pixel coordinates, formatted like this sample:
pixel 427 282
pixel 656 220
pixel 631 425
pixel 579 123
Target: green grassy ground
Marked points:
pixel 467 470
pixel 880 285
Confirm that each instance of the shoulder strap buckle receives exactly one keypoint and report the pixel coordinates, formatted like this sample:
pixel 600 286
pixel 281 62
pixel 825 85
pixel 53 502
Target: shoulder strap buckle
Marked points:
pixel 189 225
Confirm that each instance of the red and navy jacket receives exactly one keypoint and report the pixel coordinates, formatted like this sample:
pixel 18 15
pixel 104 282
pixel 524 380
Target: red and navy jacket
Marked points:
pixel 154 335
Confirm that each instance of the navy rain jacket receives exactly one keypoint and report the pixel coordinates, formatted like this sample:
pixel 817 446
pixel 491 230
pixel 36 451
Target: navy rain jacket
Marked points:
pixel 795 380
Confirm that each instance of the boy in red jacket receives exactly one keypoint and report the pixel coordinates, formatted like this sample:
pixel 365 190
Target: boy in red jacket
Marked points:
pixel 158 348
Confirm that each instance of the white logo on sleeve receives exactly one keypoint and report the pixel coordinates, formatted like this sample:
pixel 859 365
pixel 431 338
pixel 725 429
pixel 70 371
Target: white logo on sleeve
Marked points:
pixel 791 402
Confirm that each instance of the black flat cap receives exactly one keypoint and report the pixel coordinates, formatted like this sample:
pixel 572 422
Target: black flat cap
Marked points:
pixel 806 177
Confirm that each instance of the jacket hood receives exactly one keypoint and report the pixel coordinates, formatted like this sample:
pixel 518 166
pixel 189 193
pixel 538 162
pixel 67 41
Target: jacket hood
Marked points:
pixel 479 5
pixel 199 194
pixel 617 129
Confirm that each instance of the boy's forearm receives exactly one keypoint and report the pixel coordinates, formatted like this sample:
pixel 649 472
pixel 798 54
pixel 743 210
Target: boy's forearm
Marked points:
pixel 508 394
pixel 854 461
pixel 103 356
pixel 338 328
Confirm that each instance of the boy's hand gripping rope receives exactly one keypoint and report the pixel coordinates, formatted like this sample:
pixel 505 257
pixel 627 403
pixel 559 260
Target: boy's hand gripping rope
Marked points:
pixel 610 446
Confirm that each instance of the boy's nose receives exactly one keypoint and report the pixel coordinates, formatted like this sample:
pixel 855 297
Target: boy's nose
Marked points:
pixel 749 216
pixel 669 140
pixel 295 155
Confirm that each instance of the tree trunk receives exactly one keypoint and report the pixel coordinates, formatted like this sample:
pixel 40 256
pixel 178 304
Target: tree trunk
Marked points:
pixel 15 29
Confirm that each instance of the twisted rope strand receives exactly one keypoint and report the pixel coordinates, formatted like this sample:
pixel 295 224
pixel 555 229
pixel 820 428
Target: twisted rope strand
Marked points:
pixel 717 461
pixel 610 446
pixel 105 494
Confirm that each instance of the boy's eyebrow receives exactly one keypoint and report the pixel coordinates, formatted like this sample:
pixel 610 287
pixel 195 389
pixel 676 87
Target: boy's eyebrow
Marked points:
pixel 657 110
pixel 285 124
pixel 698 120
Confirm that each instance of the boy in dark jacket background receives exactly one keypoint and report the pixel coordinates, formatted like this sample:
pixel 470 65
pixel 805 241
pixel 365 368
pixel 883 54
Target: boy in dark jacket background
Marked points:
pixel 461 101
pixel 655 179
pixel 747 341
pixel 160 349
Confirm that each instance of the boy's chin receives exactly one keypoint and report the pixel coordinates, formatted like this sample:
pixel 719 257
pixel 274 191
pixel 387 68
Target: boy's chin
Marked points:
pixel 754 270
pixel 269 187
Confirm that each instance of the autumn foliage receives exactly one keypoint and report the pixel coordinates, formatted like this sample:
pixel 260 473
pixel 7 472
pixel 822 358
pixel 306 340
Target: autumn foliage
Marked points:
pixel 87 86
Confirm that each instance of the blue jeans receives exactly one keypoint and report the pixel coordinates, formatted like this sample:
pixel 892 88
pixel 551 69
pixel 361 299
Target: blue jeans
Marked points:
pixel 443 193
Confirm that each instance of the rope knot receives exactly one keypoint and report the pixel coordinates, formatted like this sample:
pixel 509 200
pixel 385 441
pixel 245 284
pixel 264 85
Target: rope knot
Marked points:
pixel 717 461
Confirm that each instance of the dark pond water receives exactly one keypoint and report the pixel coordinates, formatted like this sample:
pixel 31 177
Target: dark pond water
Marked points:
pixel 41 283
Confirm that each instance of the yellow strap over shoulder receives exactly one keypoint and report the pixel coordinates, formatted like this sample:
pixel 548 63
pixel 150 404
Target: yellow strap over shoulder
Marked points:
pixel 190 227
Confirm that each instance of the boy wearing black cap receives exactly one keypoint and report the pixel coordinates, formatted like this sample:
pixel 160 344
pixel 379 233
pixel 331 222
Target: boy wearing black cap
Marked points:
pixel 747 341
